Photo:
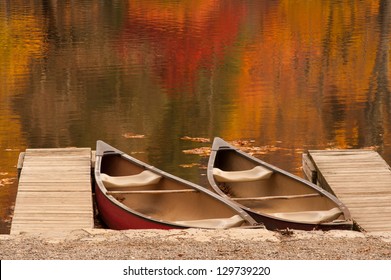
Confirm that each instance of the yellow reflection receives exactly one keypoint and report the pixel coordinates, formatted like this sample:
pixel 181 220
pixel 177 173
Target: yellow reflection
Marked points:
pixel 321 48
pixel 21 40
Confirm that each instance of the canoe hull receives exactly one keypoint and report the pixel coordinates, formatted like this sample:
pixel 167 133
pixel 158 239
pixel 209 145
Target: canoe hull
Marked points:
pixel 115 217
pixel 276 224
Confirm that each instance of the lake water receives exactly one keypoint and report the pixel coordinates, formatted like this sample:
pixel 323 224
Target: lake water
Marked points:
pixel 285 75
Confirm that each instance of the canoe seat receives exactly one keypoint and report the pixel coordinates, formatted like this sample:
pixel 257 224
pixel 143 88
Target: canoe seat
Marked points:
pixel 311 216
pixel 255 174
pixel 142 179
pixel 234 221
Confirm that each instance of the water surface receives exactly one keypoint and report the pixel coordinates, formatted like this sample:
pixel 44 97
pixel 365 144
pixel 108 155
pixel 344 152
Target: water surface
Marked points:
pixel 286 75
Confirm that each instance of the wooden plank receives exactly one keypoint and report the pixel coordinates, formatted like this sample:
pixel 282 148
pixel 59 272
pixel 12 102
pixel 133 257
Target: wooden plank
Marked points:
pixel 58 151
pixel 32 212
pixel 93 158
pixel 50 179
pixel 43 227
pixel 67 217
pixel 57 166
pixel 53 208
pixel 20 163
pixel 51 187
pixel 361 179
pixel 54 162
pixel 309 169
pixel 54 191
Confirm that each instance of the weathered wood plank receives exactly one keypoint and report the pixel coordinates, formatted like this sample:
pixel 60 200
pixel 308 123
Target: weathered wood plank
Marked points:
pixel 309 169
pixel 52 180
pixel 54 192
pixel 54 207
pixel 56 151
pixel 51 187
pixel 359 178
pixel 67 217
pixel 42 227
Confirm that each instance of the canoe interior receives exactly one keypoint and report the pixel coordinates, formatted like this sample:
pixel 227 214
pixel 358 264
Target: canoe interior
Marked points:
pixel 171 206
pixel 277 185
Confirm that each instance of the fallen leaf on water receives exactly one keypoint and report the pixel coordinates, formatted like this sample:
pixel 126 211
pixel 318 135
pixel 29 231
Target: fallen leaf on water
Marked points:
pixel 196 139
pixel 130 135
pixel 241 143
pixel 246 146
pixel 137 152
pixel 7 181
pixel 11 150
pixel 203 151
pixel 254 150
pixel 189 165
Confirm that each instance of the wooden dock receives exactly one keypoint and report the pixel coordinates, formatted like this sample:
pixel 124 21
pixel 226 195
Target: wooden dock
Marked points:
pixel 359 178
pixel 54 192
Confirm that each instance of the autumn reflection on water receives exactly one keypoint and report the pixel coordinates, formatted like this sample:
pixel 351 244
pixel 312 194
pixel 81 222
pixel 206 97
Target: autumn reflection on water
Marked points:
pixel 289 75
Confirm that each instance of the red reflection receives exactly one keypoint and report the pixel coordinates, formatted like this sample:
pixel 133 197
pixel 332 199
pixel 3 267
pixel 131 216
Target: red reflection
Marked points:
pixel 177 41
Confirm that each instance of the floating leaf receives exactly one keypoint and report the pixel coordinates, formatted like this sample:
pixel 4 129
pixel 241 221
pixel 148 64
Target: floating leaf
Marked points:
pixel 189 165
pixel 11 150
pixel 247 147
pixel 196 139
pixel 7 181
pixel 203 151
pixel 241 143
pixel 130 135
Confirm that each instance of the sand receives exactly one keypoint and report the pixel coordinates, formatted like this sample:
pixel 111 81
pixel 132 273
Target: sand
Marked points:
pixel 196 244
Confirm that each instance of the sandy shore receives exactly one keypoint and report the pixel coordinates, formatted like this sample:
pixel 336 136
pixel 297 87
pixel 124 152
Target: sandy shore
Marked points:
pixel 235 244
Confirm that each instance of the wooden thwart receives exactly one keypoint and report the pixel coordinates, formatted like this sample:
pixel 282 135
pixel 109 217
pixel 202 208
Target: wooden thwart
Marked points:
pixel 276 197
pixel 54 192
pixel 152 191
pixel 359 178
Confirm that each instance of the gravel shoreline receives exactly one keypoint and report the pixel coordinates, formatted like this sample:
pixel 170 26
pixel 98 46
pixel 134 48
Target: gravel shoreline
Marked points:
pixel 196 244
